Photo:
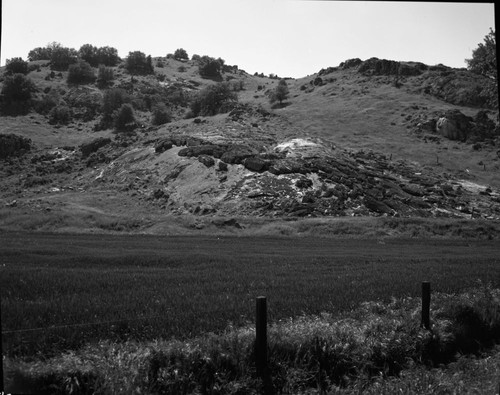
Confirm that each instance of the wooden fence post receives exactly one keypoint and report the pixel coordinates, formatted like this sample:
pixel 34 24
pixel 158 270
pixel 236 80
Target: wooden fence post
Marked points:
pixel 2 386
pixel 426 304
pixel 261 336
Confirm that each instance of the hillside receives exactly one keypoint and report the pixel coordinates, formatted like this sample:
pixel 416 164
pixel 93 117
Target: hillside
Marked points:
pixel 357 140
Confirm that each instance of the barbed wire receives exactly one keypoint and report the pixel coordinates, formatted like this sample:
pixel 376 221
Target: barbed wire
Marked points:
pixel 95 323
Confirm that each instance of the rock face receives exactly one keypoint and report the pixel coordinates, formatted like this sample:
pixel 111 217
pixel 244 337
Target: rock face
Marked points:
pixel 375 66
pixel 453 125
pixel 12 144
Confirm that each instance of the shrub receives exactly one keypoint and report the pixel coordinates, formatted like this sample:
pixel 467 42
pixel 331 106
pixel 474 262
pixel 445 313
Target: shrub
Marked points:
pixel 80 73
pixel 160 64
pixel 16 94
pixel 45 104
pixel 105 76
pixel 213 99
pixel 181 69
pixel 60 115
pixel 16 66
pixel 113 99
pixel 210 67
pixel 138 64
pixel 161 115
pixel 181 54
pixel 196 57
pixel 124 119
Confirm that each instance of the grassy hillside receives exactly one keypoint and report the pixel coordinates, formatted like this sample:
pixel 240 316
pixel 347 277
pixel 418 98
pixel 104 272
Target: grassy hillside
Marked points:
pixel 322 153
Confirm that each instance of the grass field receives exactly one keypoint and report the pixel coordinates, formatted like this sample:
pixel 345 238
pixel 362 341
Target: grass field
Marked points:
pixel 185 286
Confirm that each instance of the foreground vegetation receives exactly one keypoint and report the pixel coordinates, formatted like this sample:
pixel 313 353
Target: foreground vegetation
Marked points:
pixel 375 348
pixel 145 287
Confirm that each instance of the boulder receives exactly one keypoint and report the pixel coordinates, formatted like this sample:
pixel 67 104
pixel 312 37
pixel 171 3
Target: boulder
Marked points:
pixel 377 206
pixel 303 183
pixel 94 145
pixel 208 161
pixel 12 144
pixel 163 145
pixel 210 149
pixel 453 125
pixel 235 154
pixel 287 166
pixel 254 163
pixel 222 166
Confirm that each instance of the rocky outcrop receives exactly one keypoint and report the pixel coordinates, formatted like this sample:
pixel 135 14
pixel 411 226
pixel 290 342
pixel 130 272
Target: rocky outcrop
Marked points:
pixel 375 66
pixel 94 145
pixel 12 145
pixel 453 125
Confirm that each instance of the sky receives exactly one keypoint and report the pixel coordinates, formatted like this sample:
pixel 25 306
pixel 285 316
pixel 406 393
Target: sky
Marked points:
pixel 290 38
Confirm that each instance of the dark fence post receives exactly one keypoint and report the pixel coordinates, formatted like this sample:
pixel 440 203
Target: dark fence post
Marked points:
pixel 2 386
pixel 261 336
pixel 426 304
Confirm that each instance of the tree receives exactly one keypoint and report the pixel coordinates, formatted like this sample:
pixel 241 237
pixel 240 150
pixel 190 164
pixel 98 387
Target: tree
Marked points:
pixel 181 54
pixel 80 73
pixel 104 76
pixel 39 54
pixel 484 59
pixel 138 64
pixel 124 118
pixel 16 94
pixel 88 53
pixel 61 57
pixel 113 99
pixel 161 115
pixel 213 99
pixel 280 93
pixel 107 56
pixel 16 66
pixel 210 67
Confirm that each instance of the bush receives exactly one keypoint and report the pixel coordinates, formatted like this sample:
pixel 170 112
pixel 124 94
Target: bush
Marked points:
pixel 16 66
pixel 60 115
pixel 138 64
pixel 196 57
pixel 181 54
pixel 161 115
pixel 45 104
pixel 210 67
pixel 105 76
pixel 113 99
pixel 124 119
pixel 484 59
pixel 213 99
pixel 16 95
pixel 80 73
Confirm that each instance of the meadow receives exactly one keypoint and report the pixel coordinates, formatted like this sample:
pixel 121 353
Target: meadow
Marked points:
pixel 61 292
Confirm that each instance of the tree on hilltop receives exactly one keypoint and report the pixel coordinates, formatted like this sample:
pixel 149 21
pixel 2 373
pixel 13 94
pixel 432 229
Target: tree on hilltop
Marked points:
pixel 181 54
pixel 484 59
pixel 138 64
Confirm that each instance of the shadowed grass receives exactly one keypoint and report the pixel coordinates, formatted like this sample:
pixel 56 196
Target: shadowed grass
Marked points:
pixel 376 348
